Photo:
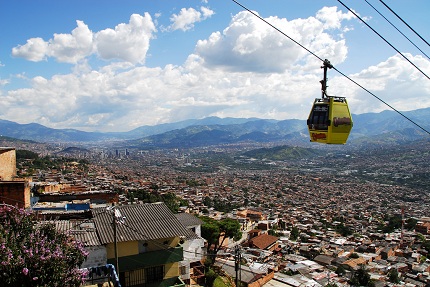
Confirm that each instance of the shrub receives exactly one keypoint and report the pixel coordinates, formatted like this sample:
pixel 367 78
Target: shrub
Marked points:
pixel 35 254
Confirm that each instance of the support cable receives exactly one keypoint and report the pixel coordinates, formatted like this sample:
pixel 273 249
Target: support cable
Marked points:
pixel 410 41
pixel 404 22
pixel 380 36
pixel 316 56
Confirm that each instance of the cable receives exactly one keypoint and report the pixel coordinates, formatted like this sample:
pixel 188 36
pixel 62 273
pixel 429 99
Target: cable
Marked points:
pixel 410 41
pixel 388 105
pixel 400 113
pixel 262 19
pixel 380 36
pixel 404 22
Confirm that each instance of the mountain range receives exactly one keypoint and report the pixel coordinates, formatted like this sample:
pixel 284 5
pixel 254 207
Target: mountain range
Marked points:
pixel 386 126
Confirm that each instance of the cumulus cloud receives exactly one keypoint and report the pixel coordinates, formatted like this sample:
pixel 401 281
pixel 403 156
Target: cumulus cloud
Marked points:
pixel 395 81
pixel 249 44
pixel 121 96
pixel 186 18
pixel 127 42
pixel 36 49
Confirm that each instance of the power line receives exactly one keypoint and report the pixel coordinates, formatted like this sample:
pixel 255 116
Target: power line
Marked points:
pixel 404 22
pixel 410 41
pixel 380 36
pixel 315 55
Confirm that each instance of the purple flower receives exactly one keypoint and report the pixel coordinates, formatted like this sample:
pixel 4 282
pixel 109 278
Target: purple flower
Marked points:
pixel 25 271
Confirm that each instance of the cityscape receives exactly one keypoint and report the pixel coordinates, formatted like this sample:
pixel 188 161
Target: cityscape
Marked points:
pixel 310 220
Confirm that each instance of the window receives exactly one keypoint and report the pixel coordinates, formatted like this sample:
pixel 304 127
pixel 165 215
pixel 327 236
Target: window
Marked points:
pixel 154 274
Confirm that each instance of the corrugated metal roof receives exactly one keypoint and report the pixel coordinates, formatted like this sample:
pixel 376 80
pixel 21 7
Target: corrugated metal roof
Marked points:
pixel 188 220
pixel 147 221
pixel 82 230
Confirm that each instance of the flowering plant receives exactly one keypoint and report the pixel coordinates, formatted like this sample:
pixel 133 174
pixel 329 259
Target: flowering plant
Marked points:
pixel 35 254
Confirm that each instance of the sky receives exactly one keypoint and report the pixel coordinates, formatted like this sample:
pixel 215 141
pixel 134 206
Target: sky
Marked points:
pixel 113 66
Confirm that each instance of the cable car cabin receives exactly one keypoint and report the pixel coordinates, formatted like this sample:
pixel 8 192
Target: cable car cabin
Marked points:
pixel 330 121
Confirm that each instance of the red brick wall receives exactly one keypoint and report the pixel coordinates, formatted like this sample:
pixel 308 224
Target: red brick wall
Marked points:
pixel 16 193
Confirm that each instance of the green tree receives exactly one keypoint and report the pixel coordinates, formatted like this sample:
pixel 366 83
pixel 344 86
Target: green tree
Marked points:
pixel 393 275
pixel 294 233
pixel 216 231
pixel 35 254
pixel 354 255
pixel 340 270
pixel 361 278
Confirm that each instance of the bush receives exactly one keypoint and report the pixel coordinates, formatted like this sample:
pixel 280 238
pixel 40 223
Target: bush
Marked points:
pixel 34 254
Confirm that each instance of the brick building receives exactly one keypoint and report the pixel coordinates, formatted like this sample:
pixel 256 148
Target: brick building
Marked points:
pixel 7 163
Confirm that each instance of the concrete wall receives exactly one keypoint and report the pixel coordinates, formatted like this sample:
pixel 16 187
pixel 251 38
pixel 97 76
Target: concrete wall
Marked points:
pixel 7 163
pixel 97 257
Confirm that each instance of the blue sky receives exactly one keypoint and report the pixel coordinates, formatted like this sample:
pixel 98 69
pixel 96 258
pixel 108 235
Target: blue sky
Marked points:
pixel 117 65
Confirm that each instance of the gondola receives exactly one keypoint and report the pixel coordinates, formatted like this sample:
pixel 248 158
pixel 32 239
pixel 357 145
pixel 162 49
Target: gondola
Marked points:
pixel 329 121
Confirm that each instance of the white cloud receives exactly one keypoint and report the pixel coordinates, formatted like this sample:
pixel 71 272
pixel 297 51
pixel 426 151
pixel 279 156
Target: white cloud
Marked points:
pixel 120 100
pixel 34 50
pixel 71 48
pixel 120 96
pixel 249 44
pixel 186 18
pixel 395 81
pixel 127 42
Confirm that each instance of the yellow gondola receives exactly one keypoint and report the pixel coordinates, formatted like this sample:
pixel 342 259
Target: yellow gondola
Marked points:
pixel 329 121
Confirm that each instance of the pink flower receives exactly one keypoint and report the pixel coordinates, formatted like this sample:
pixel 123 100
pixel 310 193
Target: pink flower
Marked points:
pixel 25 271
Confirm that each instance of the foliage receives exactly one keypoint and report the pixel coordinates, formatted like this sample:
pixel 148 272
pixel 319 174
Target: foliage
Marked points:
pixel 343 230
pixel 219 204
pixel 294 233
pixel 393 275
pixel 210 277
pixel 361 278
pixel 216 231
pixel 35 254
pixel 331 285
pixel 426 245
pixel 340 270
pixel 410 223
pixel 219 282
pixel 170 199
pixel 393 222
pixel 25 154
pixel 354 255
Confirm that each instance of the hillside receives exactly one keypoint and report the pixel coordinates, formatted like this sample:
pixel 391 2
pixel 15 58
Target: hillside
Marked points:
pixel 371 128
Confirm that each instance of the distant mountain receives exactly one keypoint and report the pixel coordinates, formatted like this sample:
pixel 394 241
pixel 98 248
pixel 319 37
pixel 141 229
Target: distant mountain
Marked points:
pixel 41 133
pixel 375 128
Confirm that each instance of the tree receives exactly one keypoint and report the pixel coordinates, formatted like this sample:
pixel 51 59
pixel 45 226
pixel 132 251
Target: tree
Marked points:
pixel 361 278
pixel 340 270
pixel 216 231
pixel 393 275
pixel 294 233
pixel 34 254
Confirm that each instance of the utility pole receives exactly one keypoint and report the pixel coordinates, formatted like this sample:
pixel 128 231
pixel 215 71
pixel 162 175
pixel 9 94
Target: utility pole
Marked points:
pixel 237 261
pixel 116 217
pixel 115 241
